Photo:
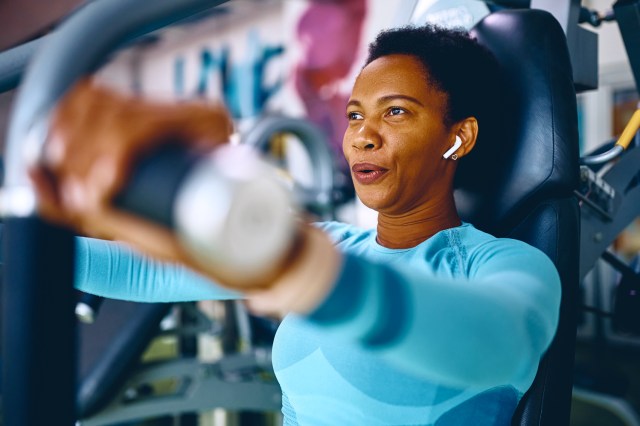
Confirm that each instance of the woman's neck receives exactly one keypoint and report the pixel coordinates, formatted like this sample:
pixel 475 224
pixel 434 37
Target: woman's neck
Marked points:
pixel 417 225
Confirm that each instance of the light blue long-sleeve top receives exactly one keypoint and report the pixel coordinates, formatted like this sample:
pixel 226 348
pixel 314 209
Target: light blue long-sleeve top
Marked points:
pixel 448 332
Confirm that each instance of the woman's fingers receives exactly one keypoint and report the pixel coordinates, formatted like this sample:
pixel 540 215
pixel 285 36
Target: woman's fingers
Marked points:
pixel 148 238
pixel 96 137
pixel 48 199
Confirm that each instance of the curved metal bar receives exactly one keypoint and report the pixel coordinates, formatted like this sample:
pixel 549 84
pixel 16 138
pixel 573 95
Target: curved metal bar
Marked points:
pixel 606 156
pixel 320 196
pixel 14 61
pixel 78 47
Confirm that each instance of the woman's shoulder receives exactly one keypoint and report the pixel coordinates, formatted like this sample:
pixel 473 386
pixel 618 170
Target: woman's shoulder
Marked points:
pixel 485 249
pixel 477 239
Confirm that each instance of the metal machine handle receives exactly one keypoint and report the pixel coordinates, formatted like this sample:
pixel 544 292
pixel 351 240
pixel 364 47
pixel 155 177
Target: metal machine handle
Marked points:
pixel 319 198
pixel 155 182
pixel 229 208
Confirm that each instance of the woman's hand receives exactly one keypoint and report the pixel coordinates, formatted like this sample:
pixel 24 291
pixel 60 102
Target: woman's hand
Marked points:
pixel 96 135
pixel 95 138
pixel 305 279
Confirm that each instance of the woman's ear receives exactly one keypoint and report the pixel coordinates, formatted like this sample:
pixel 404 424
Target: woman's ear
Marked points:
pixel 467 131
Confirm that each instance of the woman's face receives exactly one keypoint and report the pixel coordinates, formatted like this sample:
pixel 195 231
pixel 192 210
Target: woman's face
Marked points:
pixel 396 136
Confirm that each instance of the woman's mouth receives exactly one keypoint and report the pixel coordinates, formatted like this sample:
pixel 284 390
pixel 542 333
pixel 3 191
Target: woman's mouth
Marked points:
pixel 367 173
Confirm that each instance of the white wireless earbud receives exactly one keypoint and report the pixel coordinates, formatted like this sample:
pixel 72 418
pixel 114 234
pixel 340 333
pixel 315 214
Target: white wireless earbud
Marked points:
pixel 457 144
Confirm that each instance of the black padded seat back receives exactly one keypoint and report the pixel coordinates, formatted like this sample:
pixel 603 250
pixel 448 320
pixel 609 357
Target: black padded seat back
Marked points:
pixel 535 158
pixel 521 184
pixel 554 227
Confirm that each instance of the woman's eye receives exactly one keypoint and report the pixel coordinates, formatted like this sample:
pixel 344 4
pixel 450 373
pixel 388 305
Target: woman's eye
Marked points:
pixel 396 111
pixel 354 116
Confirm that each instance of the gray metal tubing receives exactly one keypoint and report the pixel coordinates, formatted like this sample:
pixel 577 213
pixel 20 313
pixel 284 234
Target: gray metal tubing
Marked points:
pixel 311 138
pixel 604 157
pixel 78 47
pixel 14 61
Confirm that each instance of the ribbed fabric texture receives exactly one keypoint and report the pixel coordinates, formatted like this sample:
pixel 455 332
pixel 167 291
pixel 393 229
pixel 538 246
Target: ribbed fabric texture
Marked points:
pixel 446 333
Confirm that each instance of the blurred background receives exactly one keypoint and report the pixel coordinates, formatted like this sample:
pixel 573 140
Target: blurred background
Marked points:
pixel 299 58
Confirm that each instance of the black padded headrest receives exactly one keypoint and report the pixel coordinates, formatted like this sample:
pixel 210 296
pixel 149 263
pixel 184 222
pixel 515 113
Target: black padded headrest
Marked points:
pixel 537 156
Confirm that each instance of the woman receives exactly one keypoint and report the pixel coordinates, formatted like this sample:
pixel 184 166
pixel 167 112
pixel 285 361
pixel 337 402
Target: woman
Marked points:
pixel 425 320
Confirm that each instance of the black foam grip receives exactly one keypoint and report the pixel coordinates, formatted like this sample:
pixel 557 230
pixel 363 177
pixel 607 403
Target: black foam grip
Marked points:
pixel 155 182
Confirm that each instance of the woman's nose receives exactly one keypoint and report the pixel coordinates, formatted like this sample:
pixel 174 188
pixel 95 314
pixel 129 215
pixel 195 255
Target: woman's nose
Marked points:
pixel 367 138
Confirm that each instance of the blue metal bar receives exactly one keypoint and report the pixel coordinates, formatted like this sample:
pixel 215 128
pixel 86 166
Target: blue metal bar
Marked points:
pixel 14 61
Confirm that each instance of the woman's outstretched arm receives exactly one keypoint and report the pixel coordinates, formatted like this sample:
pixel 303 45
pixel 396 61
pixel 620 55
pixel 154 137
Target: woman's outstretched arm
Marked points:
pixel 489 329
pixel 116 271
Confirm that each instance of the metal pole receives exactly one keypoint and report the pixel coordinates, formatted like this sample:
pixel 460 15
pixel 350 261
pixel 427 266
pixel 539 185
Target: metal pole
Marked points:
pixel 14 61
pixel 38 324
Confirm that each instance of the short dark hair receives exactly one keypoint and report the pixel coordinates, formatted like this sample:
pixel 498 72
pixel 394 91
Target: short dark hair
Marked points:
pixel 455 64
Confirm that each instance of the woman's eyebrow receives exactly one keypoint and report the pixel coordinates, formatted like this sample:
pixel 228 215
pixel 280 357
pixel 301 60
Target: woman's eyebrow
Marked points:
pixel 387 98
